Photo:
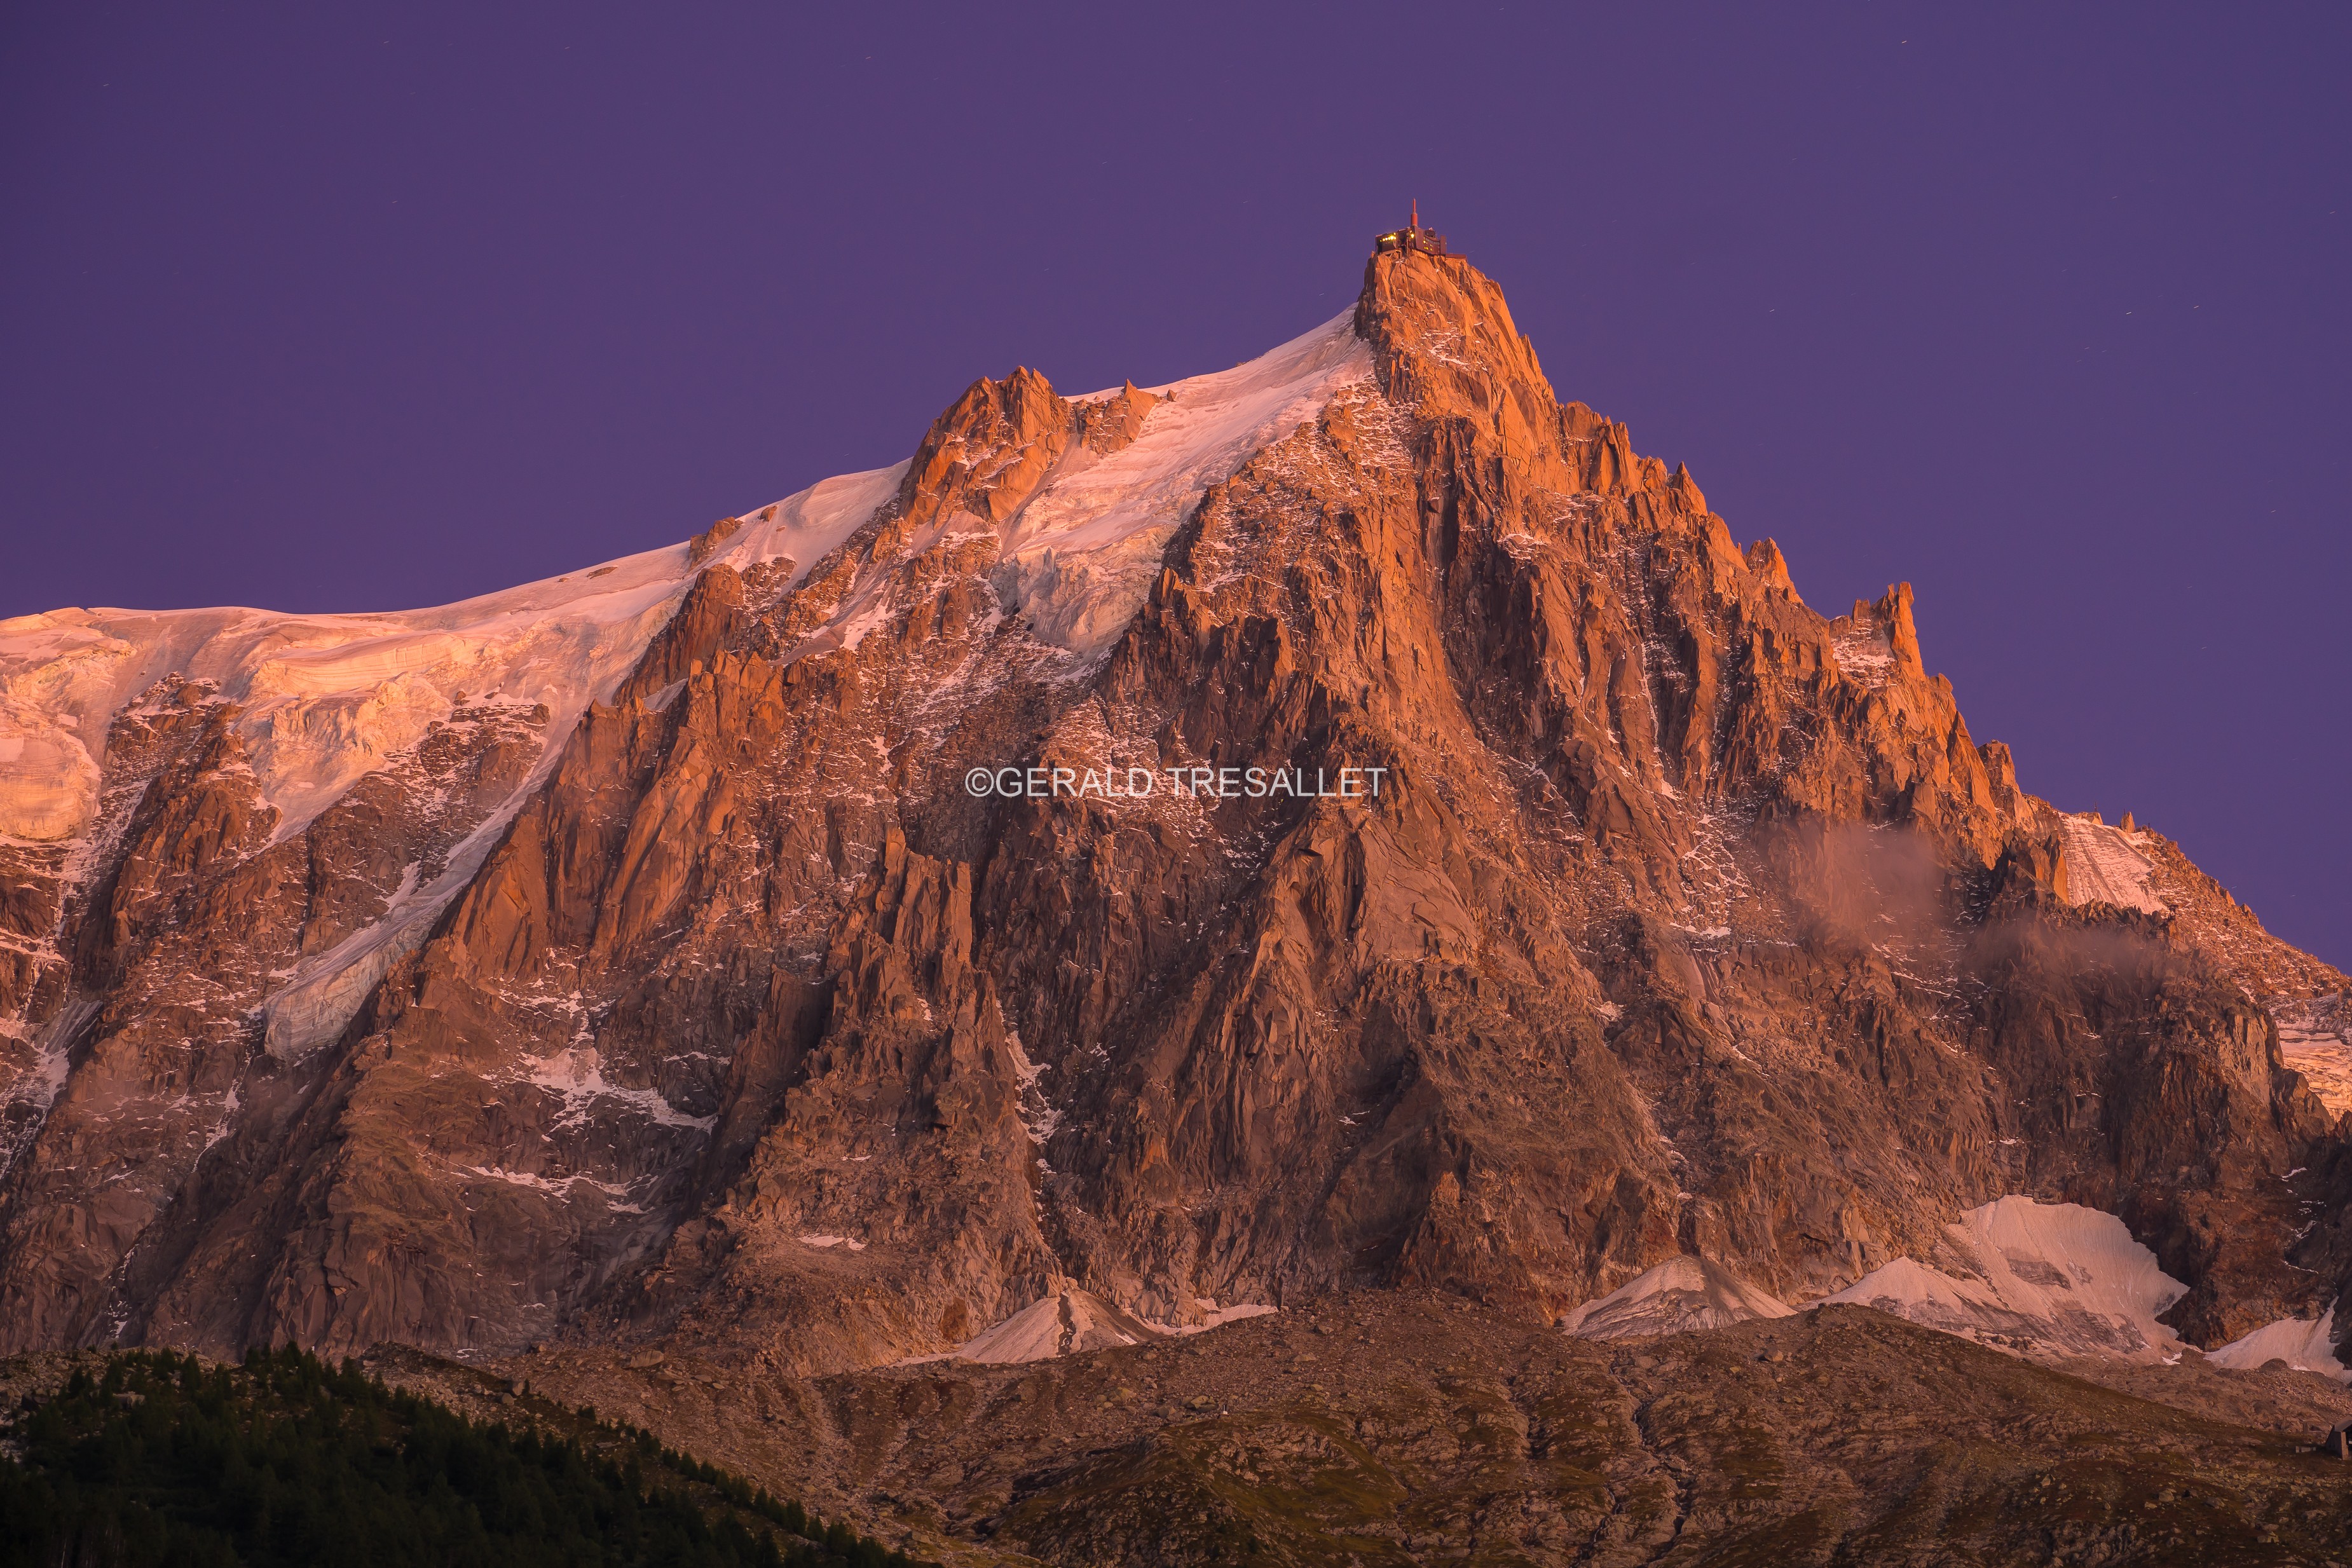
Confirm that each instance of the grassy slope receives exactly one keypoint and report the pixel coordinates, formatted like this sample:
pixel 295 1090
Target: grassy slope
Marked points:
pixel 1387 1428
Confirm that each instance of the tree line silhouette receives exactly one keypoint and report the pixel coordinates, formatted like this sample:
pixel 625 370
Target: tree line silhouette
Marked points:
pixel 160 1461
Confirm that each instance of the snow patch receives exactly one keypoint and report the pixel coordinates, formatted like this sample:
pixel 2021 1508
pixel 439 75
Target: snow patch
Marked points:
pixel 1037 1113
pixel 577 1076
pixel 326 991
pixel 2306 1345
pixel 2102 867
pixel 1065 1323
pixel 557 1187
pixel 1680 1295
pixel 2018 1275
pixel 1080 555
pixel 1214 1316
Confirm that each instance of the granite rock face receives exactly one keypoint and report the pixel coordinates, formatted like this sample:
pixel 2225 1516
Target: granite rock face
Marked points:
pixel 1346 821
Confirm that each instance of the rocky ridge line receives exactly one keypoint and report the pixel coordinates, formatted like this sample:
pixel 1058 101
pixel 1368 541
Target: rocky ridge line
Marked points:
pixel 1688 923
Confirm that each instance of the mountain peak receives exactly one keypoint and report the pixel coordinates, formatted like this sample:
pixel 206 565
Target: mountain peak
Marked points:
pixel 1344 820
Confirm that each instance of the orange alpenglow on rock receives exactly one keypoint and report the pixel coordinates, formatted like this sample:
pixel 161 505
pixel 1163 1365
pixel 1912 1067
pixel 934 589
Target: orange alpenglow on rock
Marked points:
pixel 1412 238
pixel 620 958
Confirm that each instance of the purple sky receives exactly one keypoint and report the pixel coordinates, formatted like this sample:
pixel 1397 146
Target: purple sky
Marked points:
pixel 2044 311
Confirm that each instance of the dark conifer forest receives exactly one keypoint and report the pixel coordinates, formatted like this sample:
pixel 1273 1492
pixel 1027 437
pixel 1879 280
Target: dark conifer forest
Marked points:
pixel 156 1460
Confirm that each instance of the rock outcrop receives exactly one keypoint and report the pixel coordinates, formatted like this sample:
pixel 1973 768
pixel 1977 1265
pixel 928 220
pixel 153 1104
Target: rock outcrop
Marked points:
pixel 1348 820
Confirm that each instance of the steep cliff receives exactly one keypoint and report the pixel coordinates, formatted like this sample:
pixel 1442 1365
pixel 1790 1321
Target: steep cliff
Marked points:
pixel 1344 820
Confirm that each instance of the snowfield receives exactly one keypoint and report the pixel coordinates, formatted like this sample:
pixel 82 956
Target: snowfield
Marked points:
pixel 327 698
pixel 1679 1295
pixel 2053 1279
pixel 1079 556
pixel 2102 866
pixel 2057 1275
pixel 1063 1323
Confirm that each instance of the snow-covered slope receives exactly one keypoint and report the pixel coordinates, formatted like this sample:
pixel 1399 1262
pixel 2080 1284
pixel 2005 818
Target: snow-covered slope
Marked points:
pixel 1078 557
pixel 1679 1295
pixel 1063 1323
pixel 2103 866
pixel 2046 1278
pixel 2055 1277
pixel 2305 1344
pixel 1071 1321
pixel 325 698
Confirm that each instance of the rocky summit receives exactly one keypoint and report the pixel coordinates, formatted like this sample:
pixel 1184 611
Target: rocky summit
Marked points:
pixel 1341 835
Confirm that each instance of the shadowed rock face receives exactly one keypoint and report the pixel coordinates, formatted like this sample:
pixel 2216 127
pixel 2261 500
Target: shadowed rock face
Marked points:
pixel 1684 921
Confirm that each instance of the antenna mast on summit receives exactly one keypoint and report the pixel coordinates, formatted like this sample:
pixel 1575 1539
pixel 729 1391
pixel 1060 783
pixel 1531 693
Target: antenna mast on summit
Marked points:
pixel 1412 238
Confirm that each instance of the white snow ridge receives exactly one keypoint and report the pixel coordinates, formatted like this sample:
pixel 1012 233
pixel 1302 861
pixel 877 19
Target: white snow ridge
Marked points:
pixel 326 699
pixel 1079 556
